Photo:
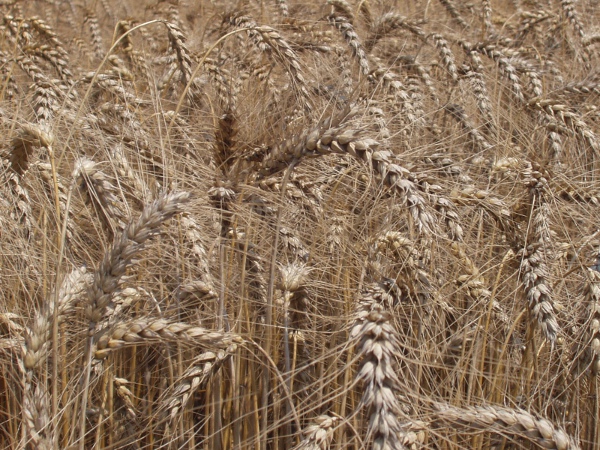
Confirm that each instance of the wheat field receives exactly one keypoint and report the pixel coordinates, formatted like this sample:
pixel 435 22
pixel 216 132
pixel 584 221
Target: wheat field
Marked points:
pixel 277 224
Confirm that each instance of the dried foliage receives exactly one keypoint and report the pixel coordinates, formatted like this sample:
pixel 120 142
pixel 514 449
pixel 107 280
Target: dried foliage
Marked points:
pixel 340 224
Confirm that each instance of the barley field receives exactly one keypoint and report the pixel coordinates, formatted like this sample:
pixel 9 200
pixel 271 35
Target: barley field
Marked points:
pixel 279 224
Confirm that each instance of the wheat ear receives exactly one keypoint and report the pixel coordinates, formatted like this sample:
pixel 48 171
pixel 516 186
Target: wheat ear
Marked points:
pixel 458 113
pixel 195 377
pixel 11 89
pixel 480 92
pixel 391 81
pixel 496 53
pixel 325 140
pixel 535 261
pixel 92 20
pixel 267 39
pixel 318 435
pixel 592 295
pixel 572 16
pixel 506 421
pixel 177 41
pixel 344 26
pixel 387 24
pixel 377 347
pixel 127 245
pixel 447 56
pixel 36 417
pixel 139 331
pixel 35 350
pixel 37 336
pixel 451 8
pixel 101 193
